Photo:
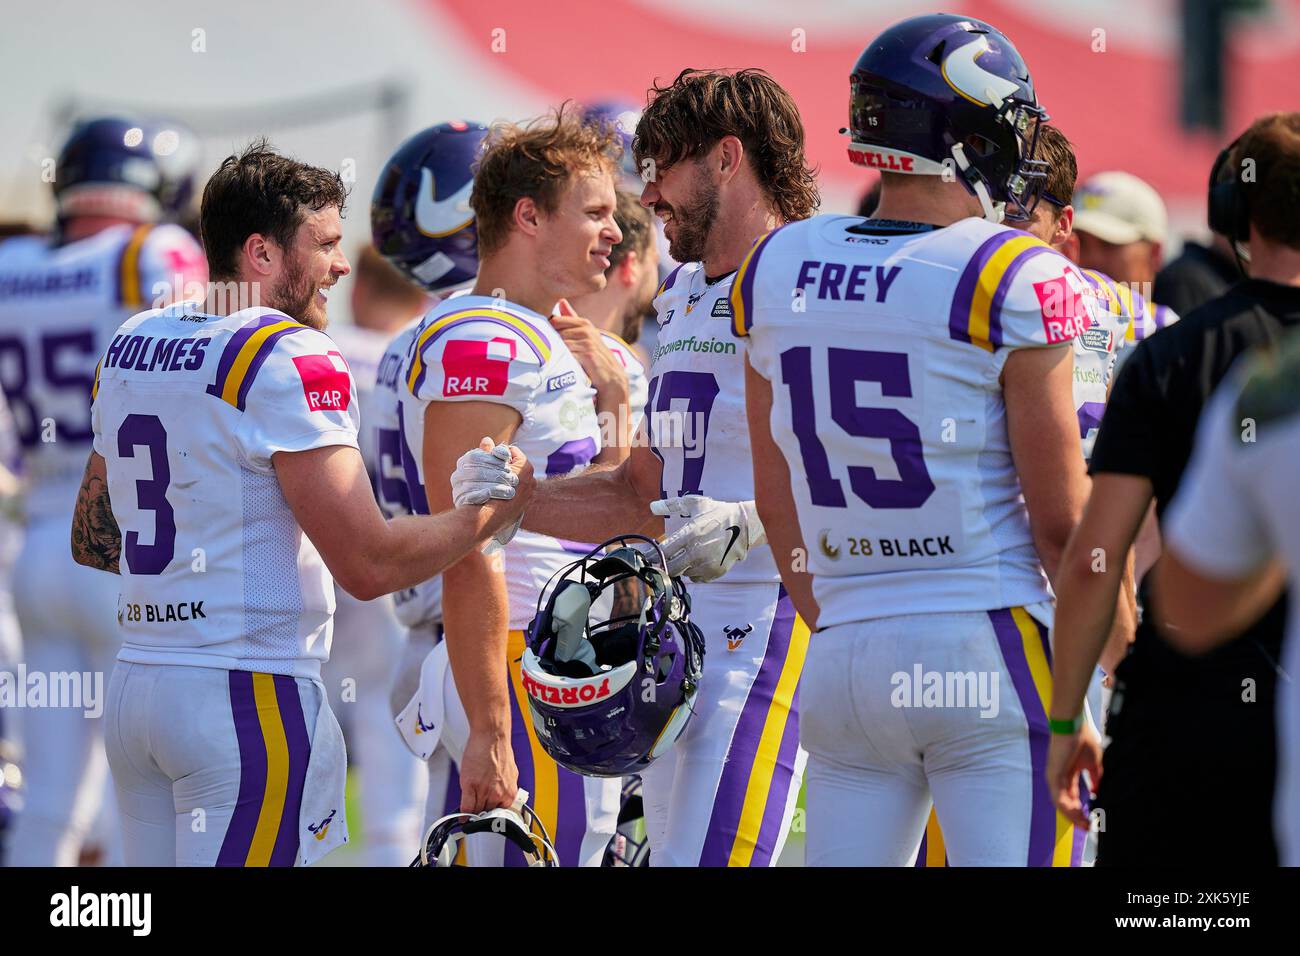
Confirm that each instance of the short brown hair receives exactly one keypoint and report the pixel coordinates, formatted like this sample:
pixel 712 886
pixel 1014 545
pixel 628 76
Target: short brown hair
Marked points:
pixel 1062 167
pixel 637 225
pixel 535 160
pixel 689 116
pixel 1273 195
pixel 260 191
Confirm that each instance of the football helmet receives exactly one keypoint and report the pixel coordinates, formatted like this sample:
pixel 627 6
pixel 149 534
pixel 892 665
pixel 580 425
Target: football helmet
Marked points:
pixel 613 662
pixel 518 824
pixel 111 166
pixel 940 90
pixel 622 116
pixel 420 218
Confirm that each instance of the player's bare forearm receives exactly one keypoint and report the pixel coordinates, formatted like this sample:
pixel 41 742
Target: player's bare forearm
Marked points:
pixel 416 548
pixel 774 499
pixel 600 502
pixel 476 619
pixel 1089 585
pixel 1043 432
pixel 96 540
pixel 1196 612
pixel 1124 627
pixel 611 406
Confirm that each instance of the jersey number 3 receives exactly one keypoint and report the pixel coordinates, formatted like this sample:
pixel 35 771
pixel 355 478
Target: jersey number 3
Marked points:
pixel 845 368
pixel 147 431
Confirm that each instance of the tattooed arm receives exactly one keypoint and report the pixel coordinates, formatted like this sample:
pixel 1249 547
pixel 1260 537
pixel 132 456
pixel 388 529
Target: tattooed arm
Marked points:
pixel 96 541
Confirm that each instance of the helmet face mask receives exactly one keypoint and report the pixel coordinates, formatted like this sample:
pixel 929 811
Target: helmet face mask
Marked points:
pixel 613 661
pixel 946 95
pixel 519 825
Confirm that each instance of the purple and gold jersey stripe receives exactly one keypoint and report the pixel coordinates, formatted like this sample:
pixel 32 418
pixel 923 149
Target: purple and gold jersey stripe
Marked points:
pixel 246 353
pixel 558 796
pixel 130 289
pixel 94 388
pixel 742 287
pixel 668 282
pixel 756 781
pixel 536 339
pixel 1053 840
pixel 976 313
pixel 274 749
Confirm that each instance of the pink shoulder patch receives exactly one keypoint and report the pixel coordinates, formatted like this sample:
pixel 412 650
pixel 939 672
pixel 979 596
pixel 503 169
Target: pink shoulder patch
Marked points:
pixel 1065 315
pixel 325 381
pixel 477 368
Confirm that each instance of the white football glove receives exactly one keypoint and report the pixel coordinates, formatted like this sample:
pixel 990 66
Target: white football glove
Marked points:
pixel 481 475
pixel 716 535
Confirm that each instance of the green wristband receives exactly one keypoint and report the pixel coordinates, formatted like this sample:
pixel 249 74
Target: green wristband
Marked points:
pixel 1065 727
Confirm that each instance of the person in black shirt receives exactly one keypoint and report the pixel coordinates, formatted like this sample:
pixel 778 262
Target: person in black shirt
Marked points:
pixel 1199 274
pixel 1189 770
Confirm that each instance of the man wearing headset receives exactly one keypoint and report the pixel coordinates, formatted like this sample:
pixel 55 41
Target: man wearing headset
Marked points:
pixel 1170 714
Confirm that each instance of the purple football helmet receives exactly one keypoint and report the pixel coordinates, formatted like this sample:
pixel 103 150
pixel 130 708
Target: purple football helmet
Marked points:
pixel 613 662
pixel 142 170
pixel 942 91
pixel 420 219
pixel 622 116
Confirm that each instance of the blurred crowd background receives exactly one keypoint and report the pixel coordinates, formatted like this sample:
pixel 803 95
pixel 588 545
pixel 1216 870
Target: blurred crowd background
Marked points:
pixel 1152 87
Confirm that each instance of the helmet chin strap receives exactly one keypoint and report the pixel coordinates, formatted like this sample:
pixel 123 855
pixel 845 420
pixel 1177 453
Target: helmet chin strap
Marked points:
pixel 993 212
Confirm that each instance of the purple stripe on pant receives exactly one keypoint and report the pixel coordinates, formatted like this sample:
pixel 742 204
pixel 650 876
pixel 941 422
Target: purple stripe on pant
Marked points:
pixel 1042 832
pixel 252 772
pixel 299 747
pixel 729 801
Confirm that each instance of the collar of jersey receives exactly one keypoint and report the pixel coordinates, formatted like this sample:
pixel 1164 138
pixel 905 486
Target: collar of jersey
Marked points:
pixel 877 227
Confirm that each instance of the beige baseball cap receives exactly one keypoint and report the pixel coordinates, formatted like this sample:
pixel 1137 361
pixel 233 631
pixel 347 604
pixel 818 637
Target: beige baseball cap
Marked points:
pixel 1120 208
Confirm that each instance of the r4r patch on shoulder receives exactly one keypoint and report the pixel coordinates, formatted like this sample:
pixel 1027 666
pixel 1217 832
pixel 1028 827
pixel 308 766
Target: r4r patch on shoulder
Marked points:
pixel 1065 314
pixel 326 383
pixel 477 368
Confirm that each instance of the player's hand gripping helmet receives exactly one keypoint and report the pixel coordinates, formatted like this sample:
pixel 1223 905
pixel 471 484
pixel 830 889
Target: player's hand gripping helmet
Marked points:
pixel 613 661
pixel 942 88
pixel 110 166
pixel 420 219
pixel 518 824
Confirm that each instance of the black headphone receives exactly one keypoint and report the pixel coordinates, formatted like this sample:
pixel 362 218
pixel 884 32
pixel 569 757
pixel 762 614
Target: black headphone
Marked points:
pixel 1228 213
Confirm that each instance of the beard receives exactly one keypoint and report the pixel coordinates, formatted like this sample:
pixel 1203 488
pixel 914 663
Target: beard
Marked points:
pixel 295 296
pixel 692 222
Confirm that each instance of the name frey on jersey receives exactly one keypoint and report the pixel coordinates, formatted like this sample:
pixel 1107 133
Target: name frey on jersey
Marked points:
pixel 839 281
pixel 144 353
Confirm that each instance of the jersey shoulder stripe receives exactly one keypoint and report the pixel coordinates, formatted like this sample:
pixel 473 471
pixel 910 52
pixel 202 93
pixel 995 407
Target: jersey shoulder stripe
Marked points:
pixel 742 286
pixel 668 281
pixel 246 353
pixel 130 284
pixel 976 313
pixel 535 339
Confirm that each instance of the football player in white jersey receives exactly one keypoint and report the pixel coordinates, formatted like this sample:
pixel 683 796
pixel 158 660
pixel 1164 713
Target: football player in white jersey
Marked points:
pixel 917 459
pixel 225 487
pixel 368 637
pixel 727 155
pixel 61 298
pixel 1094 365
pixel 421 223
pixel 492 363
